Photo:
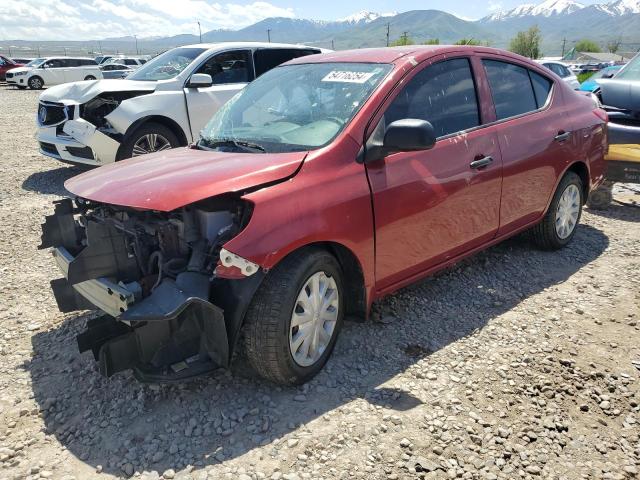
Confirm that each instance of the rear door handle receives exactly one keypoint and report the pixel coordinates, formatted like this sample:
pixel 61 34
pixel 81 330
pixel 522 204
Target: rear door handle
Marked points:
pixel 481 162
pixel 562 136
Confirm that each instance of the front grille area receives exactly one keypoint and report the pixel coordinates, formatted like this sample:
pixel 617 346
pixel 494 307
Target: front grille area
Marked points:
pixel 49 148
pixel 82 152
pixel 51 114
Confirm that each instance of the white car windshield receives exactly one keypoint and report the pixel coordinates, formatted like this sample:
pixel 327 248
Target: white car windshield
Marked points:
pixel 631 71
pixel 168 65
pixel 293 108
pixel 35 62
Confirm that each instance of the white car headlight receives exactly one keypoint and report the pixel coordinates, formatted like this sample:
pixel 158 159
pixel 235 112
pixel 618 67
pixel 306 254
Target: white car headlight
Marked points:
pixel 19 74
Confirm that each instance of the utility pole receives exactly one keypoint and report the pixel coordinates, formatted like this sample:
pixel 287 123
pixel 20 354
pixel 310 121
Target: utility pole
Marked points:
pixel 200 31
pixel 404 37
pixel 332 45
pixel 564 43
pixel 388 27
pixel 269 35
pixel 136 39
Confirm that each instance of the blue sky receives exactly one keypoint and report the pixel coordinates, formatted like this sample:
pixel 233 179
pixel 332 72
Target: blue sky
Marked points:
pixel 96 19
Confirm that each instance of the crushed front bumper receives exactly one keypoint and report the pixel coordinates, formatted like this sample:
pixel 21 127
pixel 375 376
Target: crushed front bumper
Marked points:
pixel 186 326
pixel 77 141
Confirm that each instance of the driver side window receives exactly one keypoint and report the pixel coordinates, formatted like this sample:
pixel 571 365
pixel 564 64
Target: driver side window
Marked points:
pixel 53 63
pixel 228 67
pixel 443 94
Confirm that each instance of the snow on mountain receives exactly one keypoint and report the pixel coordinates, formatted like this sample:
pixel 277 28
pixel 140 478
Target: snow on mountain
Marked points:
pixel 550 8
pixel 365 16
pixel 547 8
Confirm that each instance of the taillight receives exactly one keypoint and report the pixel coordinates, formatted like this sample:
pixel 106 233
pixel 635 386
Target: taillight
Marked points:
pixel 601 114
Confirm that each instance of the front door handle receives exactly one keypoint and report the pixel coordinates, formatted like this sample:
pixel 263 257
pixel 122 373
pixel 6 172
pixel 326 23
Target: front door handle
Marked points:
pixel 481 162
pixel 562 136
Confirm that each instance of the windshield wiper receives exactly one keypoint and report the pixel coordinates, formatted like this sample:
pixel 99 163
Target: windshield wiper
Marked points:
pixel 230 142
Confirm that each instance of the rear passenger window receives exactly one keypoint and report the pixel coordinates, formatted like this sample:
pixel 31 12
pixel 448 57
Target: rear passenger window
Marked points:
pixel 267 58
pixel 541 88
pixel 444 94
pixel 511 89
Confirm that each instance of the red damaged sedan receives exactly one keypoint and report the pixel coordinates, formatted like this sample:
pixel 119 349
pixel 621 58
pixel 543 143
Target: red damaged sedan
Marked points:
pixel 327 183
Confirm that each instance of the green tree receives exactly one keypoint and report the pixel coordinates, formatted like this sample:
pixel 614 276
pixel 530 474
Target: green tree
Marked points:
pixel 432 41
pixel 403 40
pixel 614 45
pixel 468 41
pixel 587 46
pixel 527 43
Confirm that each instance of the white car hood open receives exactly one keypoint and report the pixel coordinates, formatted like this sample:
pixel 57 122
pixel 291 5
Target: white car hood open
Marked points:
pixel 82 92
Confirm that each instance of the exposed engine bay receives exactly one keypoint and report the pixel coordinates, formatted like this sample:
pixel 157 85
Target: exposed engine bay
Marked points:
pixel 168 313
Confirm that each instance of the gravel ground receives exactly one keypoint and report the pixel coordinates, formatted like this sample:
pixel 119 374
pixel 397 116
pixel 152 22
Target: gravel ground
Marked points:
pixel 514 364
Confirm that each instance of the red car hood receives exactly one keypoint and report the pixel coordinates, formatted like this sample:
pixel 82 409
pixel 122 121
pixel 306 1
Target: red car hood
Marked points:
pixel 168 180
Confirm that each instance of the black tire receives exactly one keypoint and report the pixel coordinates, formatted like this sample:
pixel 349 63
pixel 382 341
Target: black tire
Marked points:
pixel 601 197
pixel 268 319
pixel 545 234
pixel 33 83
pixel 89 77
pixel 126 149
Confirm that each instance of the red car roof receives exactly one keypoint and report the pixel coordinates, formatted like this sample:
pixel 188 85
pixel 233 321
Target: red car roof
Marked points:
pixel 393 54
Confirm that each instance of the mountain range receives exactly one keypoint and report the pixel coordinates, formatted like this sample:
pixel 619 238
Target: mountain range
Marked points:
pixel 560 21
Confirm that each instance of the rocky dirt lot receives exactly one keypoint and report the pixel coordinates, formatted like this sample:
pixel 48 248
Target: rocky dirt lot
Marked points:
pixel 515 364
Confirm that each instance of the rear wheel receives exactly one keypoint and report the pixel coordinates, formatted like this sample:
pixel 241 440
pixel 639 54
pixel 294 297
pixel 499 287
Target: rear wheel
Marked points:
pixel 89 77
pixel 35 83
pixel 149 138
pixel 558 226
pixel 293 321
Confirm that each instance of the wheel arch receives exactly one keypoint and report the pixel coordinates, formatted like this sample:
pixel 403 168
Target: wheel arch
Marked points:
pixel 580 168
pixel 162 120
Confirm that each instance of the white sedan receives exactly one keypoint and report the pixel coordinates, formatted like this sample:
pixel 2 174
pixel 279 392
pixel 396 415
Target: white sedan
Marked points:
pixel 163 104
pixel 563 72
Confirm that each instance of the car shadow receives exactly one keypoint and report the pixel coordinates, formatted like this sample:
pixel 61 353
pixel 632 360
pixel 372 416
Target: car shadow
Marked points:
pixel 118 421
pixel 52 181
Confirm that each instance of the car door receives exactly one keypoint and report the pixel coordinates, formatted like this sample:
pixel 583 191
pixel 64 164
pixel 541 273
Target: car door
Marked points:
pixel 53 71
pixel 230 72
pixel 534 135
pixel 433 205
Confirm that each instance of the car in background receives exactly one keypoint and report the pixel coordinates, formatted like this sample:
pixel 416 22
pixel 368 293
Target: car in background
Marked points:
pixel 132 62
pixel 328 183
pixel 100 59
pixel 163 104
pixel 50 71
pixel 115 70
pixel 620 97
pixel 7 64
pixel 21 60
pixel 591 83
pixel 563 72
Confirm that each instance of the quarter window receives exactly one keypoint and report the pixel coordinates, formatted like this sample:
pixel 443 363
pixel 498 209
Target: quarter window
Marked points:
pixel 511 89
pixel 228 67
pixel 444 94
pixel 541 88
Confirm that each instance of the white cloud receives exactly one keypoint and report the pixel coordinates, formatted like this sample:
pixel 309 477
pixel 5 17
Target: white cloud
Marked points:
pixel 95 19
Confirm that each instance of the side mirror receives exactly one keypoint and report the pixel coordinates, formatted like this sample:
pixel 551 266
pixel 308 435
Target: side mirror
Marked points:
pixel 200 80
pixel 607 75
pixel 409 134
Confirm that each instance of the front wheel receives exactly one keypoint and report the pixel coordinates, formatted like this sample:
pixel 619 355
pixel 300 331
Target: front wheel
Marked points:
pixel 149 138
pixel 293 321
pixel 89 77
pixel 35 83
pixel 558 226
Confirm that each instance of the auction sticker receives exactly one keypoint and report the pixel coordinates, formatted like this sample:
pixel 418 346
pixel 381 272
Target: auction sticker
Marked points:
pixel 347 77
